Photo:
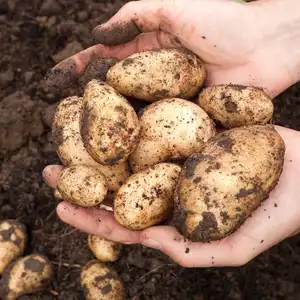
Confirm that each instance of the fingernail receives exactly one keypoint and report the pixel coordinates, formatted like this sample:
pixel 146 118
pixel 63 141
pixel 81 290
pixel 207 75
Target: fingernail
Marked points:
pixel 152 244
pixel 47 174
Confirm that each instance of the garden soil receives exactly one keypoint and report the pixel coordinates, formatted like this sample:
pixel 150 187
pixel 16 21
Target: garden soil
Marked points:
pixel 34 36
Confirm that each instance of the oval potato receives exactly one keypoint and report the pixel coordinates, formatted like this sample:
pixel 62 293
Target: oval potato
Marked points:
pixel 110 128
pixel 82 185
pixel 101 282
pixel 236 105
pixel 223 184
pixel 158 74
pixel 146 198
pixel 171 129
pixel 69 145
pixel 13 240
pixel 103 249
pixel 27 275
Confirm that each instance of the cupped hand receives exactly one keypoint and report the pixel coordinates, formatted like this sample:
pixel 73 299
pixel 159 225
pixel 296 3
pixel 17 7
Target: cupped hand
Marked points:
pixel 235 40
pixel 275 220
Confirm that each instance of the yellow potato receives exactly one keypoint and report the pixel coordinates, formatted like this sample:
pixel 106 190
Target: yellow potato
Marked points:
pixel 220 186
pixel 103 249
pixel 27 275
pixel 82 185
pixel 13 240
pixel 101 282
pixel 110 128
pixel 236 105
pixel 171 129
pixel 146 199
pixel 158 74
pixel 70 148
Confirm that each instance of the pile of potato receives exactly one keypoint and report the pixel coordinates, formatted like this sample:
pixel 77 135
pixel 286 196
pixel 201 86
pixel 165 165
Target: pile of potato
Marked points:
pixel 20 275
pixel 203 158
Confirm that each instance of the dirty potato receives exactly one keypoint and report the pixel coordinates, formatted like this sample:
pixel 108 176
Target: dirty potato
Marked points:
pixel 103 249
pixel 158 74
pixel 101 282
pixel 171 129
pixel 110 128
pixel 27 275
pixel 13 240
pixel 82 185
pixel 69 145
pixel 236 105
pixel 146 198
pixel 223 184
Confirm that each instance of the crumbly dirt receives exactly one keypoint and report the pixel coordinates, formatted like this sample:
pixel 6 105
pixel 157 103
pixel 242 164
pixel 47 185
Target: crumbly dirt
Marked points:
pixel 32 33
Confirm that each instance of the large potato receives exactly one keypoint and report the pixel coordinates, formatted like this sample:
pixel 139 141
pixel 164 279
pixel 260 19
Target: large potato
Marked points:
pixel 100 282
pixel 110 128
pixel 13 240
pixel 171 129
pixel 70 148
pixel 223 184
pixel 103 249
pixel 146 198
pixel 236 105
pixel 27 275
pixel 82 185
pixel 158 74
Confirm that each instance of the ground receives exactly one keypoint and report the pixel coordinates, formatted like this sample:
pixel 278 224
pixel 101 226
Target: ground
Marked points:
pixel 33 35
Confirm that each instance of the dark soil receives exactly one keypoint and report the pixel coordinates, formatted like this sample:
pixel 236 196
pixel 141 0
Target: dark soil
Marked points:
pixel 35 35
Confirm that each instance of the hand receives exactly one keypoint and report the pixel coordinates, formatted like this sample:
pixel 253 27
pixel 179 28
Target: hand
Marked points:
pixel 250 44
pixel 277 219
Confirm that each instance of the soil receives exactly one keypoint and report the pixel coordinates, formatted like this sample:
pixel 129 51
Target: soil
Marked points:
pixel 34 36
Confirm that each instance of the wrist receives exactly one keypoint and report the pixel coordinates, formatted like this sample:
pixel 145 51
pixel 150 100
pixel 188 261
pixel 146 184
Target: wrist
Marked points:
pixel 279 23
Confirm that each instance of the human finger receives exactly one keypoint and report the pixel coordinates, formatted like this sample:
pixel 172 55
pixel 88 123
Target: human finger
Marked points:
pixel 50 174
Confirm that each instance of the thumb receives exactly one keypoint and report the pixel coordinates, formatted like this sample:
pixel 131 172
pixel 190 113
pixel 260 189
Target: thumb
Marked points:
pixel 135 18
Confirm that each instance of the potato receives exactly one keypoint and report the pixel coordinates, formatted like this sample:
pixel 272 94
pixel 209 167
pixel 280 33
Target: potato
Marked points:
pixel 27 275
pixel 171 129
pixel 103 249
pixel 110 128
pixel 237 105
pixel 101 282
pixel 146 198
pixel 158 74
pixel 82 185
pixel 57 195
pixel 222 185
pixel 70 148
pixel 13 240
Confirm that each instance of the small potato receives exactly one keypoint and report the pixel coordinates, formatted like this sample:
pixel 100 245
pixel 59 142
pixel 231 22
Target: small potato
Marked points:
pixel 158 74
pixel 236 105
pixel 146 198
pixel 110 128
pixel 82 185
pixel 171 129
pixel 70 148
pixel 103 249
pixel 27 275
pixel 223 184
pixel 13 240
pixel 57 195
pixel 101 282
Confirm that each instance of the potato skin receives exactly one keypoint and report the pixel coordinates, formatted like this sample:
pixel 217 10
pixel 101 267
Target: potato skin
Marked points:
pixel 236 105
pixel 110 129
pixel 69 145
pixel 146 198
pixel 103 249
pixel 27 275
pixel 101 282
pixel 158 74
pixel 171 129
pixel 13 240
pixel 82 185
pixel 223 184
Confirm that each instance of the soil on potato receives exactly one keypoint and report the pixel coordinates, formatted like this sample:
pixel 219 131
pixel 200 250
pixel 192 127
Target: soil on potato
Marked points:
pixel 35 35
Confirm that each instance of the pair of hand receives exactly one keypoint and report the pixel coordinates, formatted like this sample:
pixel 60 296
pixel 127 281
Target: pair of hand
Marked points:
pixel 238 46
